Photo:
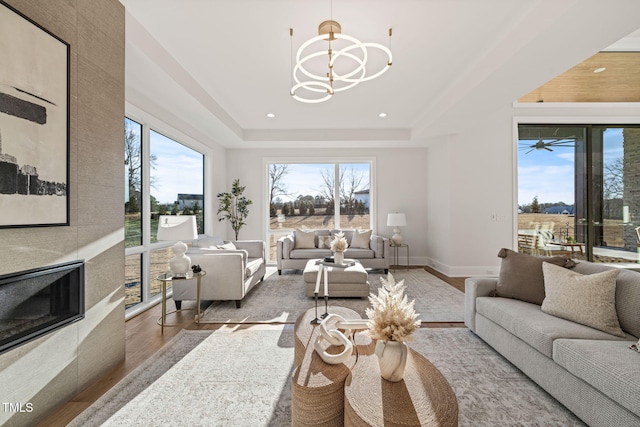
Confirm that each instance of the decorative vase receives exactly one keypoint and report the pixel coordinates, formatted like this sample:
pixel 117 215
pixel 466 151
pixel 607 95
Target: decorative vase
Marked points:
pixel 392 359
pixel 338 257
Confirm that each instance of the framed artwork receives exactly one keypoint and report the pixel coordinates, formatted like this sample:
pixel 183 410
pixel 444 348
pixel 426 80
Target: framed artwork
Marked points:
pixel 34 123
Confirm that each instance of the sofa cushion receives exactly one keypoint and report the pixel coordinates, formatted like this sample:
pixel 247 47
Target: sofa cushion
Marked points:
pixel 253 265
pixel 521 275
pixel 529 323
pixel 608 366
pixel 627 294
pixel 309 253
pixel 586 299
pixel 361 239
pixel 359 253
pixel 348 234
pixel 304 239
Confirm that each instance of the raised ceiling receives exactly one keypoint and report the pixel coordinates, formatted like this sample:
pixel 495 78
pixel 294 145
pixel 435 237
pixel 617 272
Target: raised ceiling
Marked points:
pixel 604 77
pixel 215 68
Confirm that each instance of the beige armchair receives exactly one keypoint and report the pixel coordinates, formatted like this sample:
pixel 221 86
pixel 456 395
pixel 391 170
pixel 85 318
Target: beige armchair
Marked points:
pixel 233 269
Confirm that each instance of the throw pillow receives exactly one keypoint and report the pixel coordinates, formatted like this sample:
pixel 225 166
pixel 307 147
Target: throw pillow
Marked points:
pixel 304 239
pixel 361 239
pixel 228 246
pixel 521 275
pixel 324 242
pixel 207 242
pixel 586 299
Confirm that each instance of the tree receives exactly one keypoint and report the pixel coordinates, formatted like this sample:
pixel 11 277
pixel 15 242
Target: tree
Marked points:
pixel 276 174
pixel 535 206
pixel 133 160
pixel 613 179
pixel 350 181
pixel 234 207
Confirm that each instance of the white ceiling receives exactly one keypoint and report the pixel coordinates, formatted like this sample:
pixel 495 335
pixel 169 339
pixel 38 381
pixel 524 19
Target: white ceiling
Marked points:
pixel 215 68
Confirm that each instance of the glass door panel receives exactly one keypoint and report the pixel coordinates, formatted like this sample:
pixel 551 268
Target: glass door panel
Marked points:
pixel 616 194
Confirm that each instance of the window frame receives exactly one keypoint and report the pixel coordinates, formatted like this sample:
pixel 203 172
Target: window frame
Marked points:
pixel 336 161
pixel 146 248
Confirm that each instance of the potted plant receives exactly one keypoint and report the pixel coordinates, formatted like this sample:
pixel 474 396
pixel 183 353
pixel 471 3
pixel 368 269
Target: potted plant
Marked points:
pixel 234 207
pixel 392 320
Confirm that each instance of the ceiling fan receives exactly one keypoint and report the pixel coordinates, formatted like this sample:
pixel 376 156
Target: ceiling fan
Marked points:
pixel 544 145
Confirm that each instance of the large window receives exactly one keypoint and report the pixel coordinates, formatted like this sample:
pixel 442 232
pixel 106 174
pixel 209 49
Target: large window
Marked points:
pixel 579 191
pixel 327 195
pixel 163 177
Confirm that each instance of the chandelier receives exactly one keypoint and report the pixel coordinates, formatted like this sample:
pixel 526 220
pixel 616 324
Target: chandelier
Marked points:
pixel 333 62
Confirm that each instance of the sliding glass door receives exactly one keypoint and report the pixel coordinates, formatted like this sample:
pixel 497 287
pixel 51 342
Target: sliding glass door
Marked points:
pixel 579 191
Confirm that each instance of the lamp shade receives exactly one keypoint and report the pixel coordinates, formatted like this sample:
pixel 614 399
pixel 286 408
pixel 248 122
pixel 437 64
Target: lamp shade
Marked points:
pixel 396 220
pixel 177 227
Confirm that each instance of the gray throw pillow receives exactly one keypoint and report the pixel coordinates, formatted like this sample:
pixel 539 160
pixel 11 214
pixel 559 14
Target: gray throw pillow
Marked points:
pixel 521 275
pixel 586 299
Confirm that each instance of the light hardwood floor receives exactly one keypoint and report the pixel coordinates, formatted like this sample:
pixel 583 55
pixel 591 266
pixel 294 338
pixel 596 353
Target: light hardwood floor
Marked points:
pixel 143 339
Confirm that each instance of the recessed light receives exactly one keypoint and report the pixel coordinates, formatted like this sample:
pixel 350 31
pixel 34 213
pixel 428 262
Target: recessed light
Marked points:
pixel 271 115
pixel 599 70
pixel 382 115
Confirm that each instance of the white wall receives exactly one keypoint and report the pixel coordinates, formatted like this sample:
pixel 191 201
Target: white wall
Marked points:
pixel 472 183
pixel 400 183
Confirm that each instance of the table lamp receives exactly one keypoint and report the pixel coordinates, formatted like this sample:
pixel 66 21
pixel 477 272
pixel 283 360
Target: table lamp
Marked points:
pixel 178 227
pixel 396 220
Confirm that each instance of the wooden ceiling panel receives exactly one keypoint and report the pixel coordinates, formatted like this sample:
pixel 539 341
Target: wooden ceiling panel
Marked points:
pixel 619 82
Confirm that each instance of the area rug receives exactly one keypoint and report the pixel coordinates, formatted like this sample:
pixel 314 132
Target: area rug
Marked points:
pixel 281 299
pixel 240 376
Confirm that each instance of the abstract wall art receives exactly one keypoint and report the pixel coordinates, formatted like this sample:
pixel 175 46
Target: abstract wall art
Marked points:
pixel 34 123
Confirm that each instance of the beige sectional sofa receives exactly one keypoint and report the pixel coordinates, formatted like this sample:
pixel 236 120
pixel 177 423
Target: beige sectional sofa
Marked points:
pixel 592 372
pixel 295 249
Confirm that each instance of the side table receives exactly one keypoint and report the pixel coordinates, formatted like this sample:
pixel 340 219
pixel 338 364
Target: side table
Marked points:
pixel 169 277
pixel 396 248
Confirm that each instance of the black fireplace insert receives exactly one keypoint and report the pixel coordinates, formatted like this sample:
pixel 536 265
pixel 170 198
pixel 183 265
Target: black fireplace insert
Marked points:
pixel 36 302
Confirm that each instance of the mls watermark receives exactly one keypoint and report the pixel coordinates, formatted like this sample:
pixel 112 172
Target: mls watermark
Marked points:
pixel 17 407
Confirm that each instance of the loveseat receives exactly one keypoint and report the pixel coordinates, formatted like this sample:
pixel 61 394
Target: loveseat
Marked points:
pixel 232 269
pixel 591 370
pixel 295 249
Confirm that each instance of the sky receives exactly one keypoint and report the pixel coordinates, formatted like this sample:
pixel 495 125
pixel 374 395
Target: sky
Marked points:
pixel 550 174
pixel 178 169
pixel 305 178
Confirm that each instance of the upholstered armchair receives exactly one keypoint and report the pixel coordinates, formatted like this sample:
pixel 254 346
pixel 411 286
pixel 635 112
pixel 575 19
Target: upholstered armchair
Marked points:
pixel 233 269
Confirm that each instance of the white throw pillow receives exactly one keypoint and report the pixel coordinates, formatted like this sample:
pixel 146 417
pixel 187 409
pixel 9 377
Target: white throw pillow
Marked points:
pixel 324 242
pixel 304 239
pixel 208 242
pixel 586 299
pixel 228 246
pixel 361 239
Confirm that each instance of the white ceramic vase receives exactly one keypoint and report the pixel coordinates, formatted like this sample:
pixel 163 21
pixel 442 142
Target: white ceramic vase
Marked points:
pixel 392 359
pixel 338 257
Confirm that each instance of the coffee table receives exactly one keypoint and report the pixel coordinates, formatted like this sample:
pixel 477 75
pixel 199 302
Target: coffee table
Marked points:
pixel 422 398
pixel 349 281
